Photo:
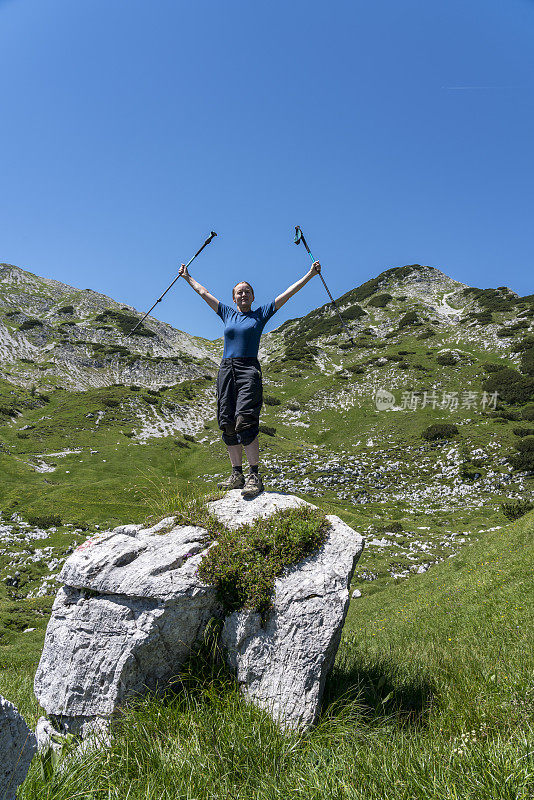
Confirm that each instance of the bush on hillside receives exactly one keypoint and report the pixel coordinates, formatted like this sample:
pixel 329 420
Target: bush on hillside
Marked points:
pixel 484 317
pixel 527 361
pixel 489 367
pixel 505 413
pixel 523 431
pixel 511 330
pixel 299 350
pixel 440 430
pixel 410 318
pixel 471 470
pixel 267 430
pixel 269 400
pixel 490 299
pixel 523 344
pixel 364 341
pixel 110 402
pixel 66 310
pixel 28 324
pixel 125 322
pixel 426 334
pixel 380 300
pixel 447 359
pixel 524 460
pixel 511 386
pixel 44 520
pixel 527 412
pixel 353 312
pixel 391 527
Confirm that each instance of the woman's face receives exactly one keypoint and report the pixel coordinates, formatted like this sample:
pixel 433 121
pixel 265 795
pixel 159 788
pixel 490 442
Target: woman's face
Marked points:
pixel 243 297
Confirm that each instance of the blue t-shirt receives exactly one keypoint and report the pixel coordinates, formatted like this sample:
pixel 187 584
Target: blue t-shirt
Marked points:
pixel 242 331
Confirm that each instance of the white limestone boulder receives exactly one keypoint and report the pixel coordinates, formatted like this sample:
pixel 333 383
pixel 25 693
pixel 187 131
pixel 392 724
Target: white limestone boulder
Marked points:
pixel 132 607
pixel 17 748
pixel 282 665
pixel 125 620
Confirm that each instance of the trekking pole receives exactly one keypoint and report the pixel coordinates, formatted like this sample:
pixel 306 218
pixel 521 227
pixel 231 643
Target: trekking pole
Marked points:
pixel 299 237
pixel 208 240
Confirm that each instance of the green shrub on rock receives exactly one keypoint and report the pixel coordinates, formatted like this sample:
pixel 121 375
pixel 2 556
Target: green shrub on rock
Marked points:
pixel 245 562
pixel 269 400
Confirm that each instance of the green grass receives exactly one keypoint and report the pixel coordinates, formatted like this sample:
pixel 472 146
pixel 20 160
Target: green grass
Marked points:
pixel 431 696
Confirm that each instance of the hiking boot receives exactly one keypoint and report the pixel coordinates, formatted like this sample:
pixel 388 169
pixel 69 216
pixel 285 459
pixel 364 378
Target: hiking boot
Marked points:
pixel 253 486
pixel 234 481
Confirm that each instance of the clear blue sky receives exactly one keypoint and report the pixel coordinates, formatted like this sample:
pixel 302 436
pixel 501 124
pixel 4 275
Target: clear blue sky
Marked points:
pixel 392 132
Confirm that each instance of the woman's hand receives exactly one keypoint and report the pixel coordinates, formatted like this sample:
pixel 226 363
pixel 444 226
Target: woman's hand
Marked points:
pixel 315 268
pixel 183 273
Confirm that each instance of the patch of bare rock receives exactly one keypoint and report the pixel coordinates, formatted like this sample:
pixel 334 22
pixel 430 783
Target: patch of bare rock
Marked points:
pixel 17 747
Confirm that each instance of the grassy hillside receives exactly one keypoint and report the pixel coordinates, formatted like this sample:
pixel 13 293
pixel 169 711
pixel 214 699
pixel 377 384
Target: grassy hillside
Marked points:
pixel 98 428
pixel 432 696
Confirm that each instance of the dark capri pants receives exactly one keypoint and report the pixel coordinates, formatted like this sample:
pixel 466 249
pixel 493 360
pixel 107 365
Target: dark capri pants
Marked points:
pixel 239 391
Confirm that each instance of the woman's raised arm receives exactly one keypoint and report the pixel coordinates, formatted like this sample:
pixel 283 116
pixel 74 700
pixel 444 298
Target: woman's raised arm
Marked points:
pixel 201 290
pixel 291 290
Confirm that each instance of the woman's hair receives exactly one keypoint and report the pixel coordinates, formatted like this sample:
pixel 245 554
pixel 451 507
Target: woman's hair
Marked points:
pixel 237 284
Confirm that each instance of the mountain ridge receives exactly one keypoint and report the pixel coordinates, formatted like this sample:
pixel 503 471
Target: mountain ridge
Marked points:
pixel 77 338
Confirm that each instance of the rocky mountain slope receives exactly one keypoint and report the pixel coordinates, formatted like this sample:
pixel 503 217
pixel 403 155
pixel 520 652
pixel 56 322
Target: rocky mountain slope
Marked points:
pixel 416 435
pixel 53 335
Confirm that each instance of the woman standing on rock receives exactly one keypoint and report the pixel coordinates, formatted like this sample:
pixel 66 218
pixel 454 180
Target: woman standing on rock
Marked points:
pixel 239 380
